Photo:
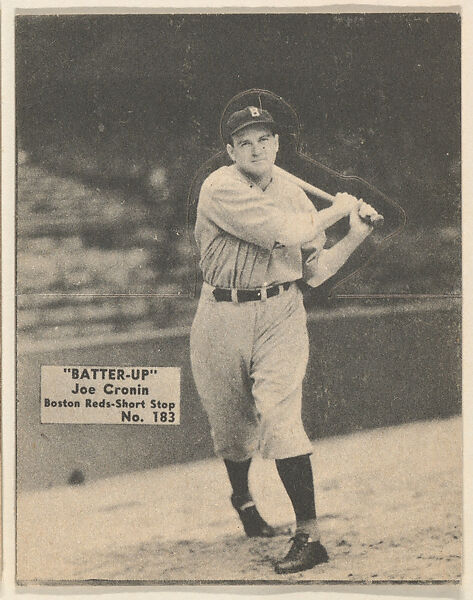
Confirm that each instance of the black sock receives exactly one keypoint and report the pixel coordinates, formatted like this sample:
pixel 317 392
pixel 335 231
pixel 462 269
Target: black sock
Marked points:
pixel 296 475
pixel 238 475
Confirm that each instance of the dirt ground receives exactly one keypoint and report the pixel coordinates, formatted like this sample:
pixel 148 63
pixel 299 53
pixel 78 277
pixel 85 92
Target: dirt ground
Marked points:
pixel 389 504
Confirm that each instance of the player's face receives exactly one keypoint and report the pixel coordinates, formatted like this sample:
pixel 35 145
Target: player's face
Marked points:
pixel 254 150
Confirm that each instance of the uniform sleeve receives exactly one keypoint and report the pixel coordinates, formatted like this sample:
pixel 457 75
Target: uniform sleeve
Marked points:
pixel 311 252
pixel 248 214
pixel 312 249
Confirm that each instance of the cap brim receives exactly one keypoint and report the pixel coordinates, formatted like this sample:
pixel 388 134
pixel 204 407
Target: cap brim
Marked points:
pixel 253 121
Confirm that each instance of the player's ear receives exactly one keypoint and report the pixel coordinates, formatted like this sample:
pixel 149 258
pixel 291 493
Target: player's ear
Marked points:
pixel 277 141
pixel 231 152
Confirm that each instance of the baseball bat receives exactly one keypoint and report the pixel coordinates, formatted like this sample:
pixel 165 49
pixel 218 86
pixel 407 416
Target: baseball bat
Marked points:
pixel 373 220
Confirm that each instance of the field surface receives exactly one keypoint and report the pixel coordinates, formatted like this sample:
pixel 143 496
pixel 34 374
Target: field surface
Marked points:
pixel 389 504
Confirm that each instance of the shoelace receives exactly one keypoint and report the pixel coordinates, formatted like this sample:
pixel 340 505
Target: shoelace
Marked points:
pixel 302 537
pixel 299 541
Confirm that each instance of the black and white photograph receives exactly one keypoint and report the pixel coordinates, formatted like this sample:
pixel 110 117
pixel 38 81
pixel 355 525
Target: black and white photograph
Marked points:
pixel 238 297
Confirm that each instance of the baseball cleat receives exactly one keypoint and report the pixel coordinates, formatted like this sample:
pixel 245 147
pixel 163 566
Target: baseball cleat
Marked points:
pixel 253 523
pixel 303 554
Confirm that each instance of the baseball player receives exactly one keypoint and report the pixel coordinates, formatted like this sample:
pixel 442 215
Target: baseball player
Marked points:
pixel 258 234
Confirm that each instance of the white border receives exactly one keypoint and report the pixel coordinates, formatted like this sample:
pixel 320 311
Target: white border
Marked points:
pixel 8 296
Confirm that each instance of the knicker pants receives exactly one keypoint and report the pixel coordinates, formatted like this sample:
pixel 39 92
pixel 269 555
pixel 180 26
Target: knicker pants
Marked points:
pixel 248 361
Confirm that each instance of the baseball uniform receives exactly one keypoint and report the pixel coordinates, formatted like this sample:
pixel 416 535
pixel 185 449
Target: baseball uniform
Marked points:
pixel 258 234
pixel 249 358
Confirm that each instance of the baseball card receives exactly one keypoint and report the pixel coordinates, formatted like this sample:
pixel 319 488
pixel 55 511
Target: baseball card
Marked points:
pixel 237 297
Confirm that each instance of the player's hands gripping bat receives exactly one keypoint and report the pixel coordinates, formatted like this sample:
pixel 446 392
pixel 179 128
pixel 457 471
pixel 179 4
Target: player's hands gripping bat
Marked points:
pixel 366 212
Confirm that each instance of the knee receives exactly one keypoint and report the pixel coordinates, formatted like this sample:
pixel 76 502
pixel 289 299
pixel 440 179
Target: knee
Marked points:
pixel 234 450
pixel 284 440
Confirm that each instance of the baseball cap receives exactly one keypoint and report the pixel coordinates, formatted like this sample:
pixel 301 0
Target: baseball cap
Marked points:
pixel 248 116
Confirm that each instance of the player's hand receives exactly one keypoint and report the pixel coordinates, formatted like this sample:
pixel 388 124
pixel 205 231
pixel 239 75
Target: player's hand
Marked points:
pixel 346 203
pixel 359 219
pixel 367 212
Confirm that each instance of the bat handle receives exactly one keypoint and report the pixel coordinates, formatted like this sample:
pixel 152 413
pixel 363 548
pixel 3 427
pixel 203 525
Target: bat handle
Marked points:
pixel 374 220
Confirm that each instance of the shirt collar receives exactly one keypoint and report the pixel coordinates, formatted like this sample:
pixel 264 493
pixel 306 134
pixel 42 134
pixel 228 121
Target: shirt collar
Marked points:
pixel 247 180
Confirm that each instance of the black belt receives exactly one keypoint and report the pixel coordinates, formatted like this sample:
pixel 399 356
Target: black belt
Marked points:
pixel 223 295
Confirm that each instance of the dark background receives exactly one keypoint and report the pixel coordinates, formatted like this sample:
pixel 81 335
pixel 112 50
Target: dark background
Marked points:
pixel 115 116
pixel 129 107
pixel 378 95
pixel 364 371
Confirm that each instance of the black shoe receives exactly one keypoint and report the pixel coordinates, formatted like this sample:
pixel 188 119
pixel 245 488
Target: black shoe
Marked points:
pixel 303 554
pixel 253 523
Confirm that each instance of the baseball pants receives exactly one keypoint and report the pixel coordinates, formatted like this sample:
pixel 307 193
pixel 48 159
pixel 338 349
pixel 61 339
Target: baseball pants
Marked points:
pixel 248 361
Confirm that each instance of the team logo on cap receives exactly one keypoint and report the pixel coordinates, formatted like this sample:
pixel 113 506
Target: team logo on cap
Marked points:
pixel 254 111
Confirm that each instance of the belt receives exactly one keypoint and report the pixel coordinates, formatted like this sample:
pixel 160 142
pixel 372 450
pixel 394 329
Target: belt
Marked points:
pixel 224 295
